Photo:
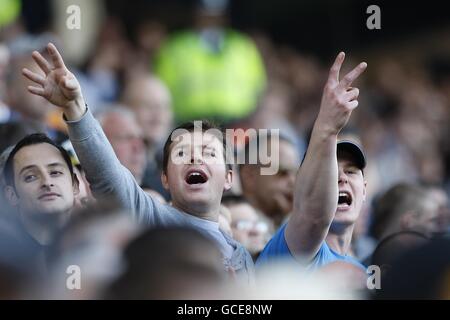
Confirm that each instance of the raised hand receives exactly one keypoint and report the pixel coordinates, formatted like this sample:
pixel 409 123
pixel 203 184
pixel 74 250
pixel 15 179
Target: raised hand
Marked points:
pixel 59 86
pixel 339 98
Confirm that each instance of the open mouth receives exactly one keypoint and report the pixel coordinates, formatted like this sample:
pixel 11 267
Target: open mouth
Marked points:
pixel 345 198
pixel 196 177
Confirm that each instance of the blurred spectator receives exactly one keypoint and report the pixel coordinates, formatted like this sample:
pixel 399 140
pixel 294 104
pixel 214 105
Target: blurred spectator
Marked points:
pixel 158 269
pixel 421 273
pixel 247 225
pixel 392 247
pixel 408 207
pixel 272 194
pixel 125 135
pixel 150 101
pixel 224 75
pixel 34 113
pixel 93 241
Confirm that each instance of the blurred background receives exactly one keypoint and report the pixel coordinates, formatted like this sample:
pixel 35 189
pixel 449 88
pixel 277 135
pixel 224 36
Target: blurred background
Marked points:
pixel 245 64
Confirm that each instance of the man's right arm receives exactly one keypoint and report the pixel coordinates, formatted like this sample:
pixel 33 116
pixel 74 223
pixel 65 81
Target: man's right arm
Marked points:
pixel 316 187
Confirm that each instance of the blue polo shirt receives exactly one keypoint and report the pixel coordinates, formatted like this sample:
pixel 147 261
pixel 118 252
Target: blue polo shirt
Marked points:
pixel 277 249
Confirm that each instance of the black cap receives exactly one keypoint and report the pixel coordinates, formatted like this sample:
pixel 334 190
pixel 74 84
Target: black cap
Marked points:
pixel 355 150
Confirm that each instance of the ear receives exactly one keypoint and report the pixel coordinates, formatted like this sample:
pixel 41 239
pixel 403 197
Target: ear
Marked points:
pixel 365 191
pixel 165 181
pixel 11 196
pixel 228 180
pixel 76 185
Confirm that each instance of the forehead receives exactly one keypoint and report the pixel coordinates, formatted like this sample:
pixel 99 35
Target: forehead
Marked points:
pixel 116 123
pixel 243 211
pixel 197 139
pixel 41 154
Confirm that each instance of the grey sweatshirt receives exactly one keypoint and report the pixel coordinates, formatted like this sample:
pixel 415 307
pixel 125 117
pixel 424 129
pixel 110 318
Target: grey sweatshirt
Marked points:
pixel 108 178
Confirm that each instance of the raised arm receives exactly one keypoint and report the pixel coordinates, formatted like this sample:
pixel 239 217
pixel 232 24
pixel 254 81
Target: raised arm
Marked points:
pixel 316 186
pixel 108 178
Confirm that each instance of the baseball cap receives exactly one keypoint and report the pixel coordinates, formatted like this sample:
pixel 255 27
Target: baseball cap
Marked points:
pixel 354 150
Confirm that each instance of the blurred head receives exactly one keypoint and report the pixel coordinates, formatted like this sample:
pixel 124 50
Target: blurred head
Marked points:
pixel 194 168
pixel 394 246
pixel 247 225
pixel 125 135
pixel 271 194
pixel 420 273
pixel 409 207
pixel 39 177
pixel 210 13
pixel 93 240
pixel 150 100
pixel 170 263
pixel 30 106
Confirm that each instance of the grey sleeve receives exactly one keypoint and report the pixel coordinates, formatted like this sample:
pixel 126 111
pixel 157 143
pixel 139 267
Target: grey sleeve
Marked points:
pixel 108 178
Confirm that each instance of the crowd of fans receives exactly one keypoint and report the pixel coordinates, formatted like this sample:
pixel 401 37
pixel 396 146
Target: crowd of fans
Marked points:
pixel 134 231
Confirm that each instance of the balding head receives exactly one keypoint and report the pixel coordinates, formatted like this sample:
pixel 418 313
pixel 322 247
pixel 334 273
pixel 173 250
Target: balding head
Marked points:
pixel 125 136
pixel 150 100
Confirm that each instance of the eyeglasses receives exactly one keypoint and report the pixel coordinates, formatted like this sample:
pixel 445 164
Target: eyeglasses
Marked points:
pixel 247 225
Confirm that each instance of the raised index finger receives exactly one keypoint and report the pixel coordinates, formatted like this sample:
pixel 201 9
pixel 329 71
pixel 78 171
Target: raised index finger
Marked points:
pixel 58 61
pixel 352 75
pixel 333 76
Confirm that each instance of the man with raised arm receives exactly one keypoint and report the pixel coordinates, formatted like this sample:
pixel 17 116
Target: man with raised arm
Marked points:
pixel 194 168
pixel 330 188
